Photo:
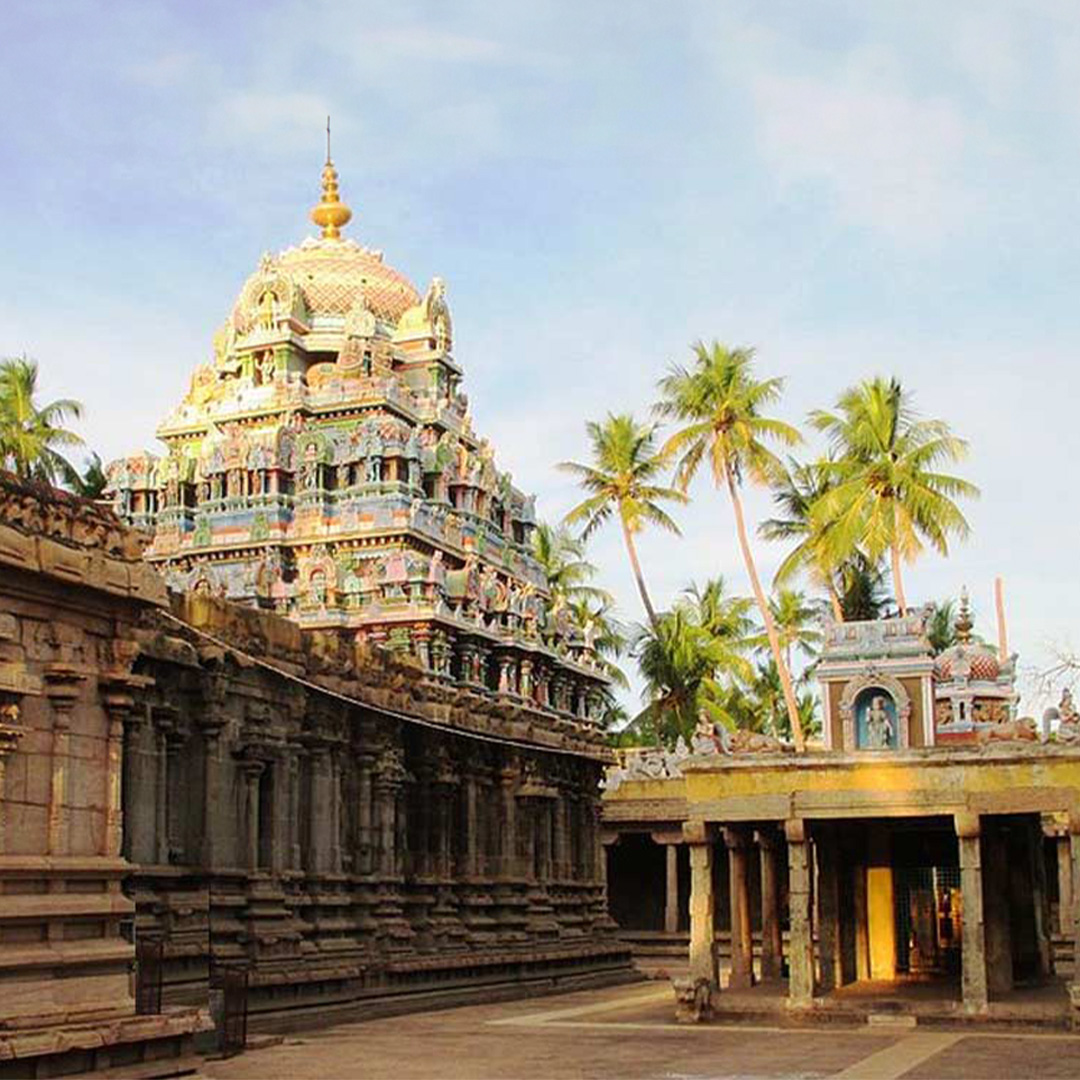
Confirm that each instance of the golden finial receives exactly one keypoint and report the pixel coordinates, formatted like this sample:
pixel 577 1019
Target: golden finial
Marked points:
pixel 331 213
pixel 964 623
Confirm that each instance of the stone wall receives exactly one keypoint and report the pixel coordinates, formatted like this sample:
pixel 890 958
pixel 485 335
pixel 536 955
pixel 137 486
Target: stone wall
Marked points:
pixel 72 589
pixel 349 827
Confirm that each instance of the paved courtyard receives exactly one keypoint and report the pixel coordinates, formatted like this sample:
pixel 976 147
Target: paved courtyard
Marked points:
pixel 628 1032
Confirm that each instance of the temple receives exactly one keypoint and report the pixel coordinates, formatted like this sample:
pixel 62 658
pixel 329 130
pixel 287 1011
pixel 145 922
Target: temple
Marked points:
pixel 298 727
pixel 324 466
pixel 923 859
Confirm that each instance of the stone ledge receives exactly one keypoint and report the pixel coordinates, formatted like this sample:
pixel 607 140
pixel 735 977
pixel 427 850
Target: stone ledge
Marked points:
pixel 95 1035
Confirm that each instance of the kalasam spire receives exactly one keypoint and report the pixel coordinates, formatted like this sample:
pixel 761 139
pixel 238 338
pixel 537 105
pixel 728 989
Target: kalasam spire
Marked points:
pixel 330 213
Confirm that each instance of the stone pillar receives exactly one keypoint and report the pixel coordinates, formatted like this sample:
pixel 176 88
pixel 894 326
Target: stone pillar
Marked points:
pixel 997 929
pixel 772 944
pixel 291 776
pixel 527 814
pixel 334 854
pixel 1065 887
pixel 828 907
pixel 862 933
pixel 251 771
pixel 276 775
pixel 471 826
pixel 319 835
pixel 161 796
pixel 365 839
pixel 443 792
pixel 742 942
pixel 972 946
pixel 560 857
pixel 10 733
pixel 390 773
pixel 880 904
pixel 801 945
pixel 63 698
pixel 138 789
pixel 702 904
pixel 174 796
pixel 118 707
pixel 418 796
pixel 1074 864
pixel 508 861
pixel 671 892
pixel 1040 897
pixel 211 796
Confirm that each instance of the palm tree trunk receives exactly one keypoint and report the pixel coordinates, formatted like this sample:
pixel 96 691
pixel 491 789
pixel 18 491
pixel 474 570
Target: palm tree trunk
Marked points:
pixel 631 550
pixel 766 618
pixel 834 600
pixel 898 583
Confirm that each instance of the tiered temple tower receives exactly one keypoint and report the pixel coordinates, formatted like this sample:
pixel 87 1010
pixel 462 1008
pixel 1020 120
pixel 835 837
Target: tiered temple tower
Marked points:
pixel 324 466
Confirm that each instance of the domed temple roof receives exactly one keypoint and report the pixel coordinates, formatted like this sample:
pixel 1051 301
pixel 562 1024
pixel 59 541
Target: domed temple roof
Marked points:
pixel 333 275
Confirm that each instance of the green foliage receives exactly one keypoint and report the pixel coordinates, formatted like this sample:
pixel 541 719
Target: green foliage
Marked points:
pixel 562 558
pixel 941 626
pixel 885 491
pixel 621 478
pixel 32 435
pixel 91 482
pixel 621 481
pixel 687 658
pixel 569 575
pixel 864 592
pixel 720 402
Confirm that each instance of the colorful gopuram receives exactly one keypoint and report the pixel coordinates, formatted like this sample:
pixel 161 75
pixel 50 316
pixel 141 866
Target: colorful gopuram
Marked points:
pixel 323 465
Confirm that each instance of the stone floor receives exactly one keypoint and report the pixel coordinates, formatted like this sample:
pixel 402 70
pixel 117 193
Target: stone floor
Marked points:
pixel 629 1032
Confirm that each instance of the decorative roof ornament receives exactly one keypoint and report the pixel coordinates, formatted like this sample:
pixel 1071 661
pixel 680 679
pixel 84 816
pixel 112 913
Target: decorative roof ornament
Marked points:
pixel 964 622
pixel 330 214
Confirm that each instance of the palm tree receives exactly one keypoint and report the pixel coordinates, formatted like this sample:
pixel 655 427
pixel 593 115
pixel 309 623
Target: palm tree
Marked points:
pixel 91 482
pixel 720 402
pixel 30 434
pixel 886 494
pixel 795 493
pixel 719 614
pixel 796 621
pixel 941 626
pixel 863 593
pixel 562 559
pixel 691 659
pixel 595 621
pixel 621 480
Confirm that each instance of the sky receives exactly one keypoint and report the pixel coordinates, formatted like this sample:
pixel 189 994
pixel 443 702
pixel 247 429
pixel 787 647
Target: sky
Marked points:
pixel 852 189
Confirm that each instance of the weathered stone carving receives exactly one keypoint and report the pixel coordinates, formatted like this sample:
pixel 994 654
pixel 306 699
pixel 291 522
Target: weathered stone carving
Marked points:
pixel 693 1000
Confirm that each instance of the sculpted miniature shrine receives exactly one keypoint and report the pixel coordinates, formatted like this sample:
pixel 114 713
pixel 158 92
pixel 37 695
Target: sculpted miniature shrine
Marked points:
pixel 921 859
pixel 323 465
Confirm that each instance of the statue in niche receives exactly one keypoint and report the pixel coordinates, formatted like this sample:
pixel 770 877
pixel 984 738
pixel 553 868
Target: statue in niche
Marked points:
pixel 309 470
pixel 876 720
pixel 374 469
pixel 266 310
pixel 264 368
pixel 317 588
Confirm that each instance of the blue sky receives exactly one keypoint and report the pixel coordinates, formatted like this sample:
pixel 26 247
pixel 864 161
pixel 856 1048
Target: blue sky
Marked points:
pixel 852 188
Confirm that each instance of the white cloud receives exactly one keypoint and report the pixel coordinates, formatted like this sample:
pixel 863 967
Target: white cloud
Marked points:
pixel 891 160
pixel 283 120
